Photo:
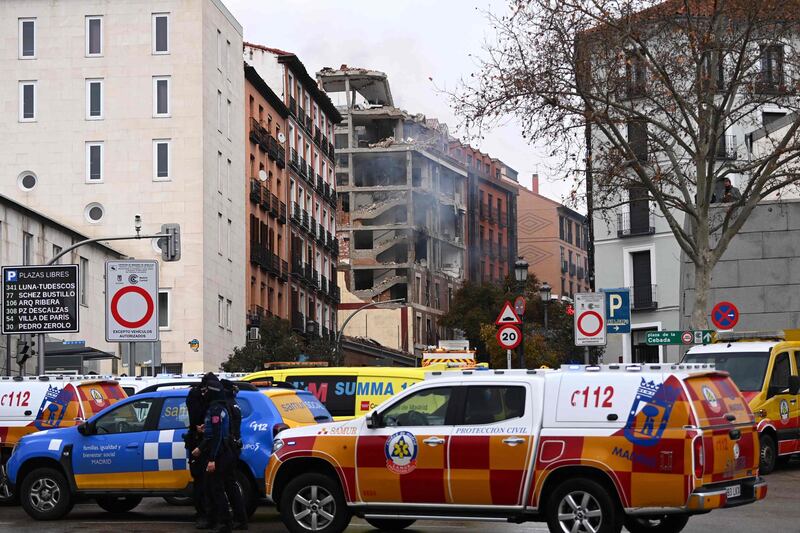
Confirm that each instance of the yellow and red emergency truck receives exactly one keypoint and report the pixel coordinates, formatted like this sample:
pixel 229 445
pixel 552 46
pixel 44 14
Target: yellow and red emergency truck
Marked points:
pixel 35 403
pixel 348 392
pixel 766 368
pixel 582 448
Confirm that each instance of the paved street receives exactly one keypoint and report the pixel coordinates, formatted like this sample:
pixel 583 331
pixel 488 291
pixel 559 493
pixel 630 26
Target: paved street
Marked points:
pixel 779 513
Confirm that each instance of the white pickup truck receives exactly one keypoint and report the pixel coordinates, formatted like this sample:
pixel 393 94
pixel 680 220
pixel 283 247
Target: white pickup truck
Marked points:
pixel 585 449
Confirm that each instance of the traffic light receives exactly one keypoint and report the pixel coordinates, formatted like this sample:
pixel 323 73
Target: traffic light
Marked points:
pixel 26 348
pixel 171 244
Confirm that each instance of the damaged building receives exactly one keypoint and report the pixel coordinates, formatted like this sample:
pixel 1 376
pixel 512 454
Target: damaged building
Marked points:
pixel 401 213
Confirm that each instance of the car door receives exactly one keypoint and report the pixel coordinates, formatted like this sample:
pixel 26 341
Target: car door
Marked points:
pixel 164 461
pixel 109 455
pixel 404 458
pixel 779 404
pixel 489 450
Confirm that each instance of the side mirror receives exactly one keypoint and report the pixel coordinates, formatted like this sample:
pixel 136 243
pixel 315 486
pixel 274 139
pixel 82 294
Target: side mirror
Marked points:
pixel 86 429
pixel 374 420
pixel 794 384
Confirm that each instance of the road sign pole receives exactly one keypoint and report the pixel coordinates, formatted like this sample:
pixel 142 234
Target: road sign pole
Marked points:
pixel 8 354
pixel 133 358
pixel 40 352
pixel 521 348
pixel 586 355
pixel 508 359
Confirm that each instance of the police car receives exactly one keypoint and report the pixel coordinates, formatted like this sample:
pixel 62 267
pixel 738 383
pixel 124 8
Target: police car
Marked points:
pixel 34 403
pixel 135 449
pixel 585 449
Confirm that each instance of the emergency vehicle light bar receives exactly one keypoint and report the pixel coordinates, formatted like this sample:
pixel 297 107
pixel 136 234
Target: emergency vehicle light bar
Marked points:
pixel 294 364
pixel 776 335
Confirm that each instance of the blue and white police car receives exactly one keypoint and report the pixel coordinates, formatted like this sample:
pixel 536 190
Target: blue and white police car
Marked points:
pixel 135 449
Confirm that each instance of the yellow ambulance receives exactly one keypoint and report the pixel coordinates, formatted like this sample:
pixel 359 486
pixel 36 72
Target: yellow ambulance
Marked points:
pixel 766 368
pixel 348 392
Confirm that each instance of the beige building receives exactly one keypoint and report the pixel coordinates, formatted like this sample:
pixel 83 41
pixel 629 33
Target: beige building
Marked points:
pixel 117 108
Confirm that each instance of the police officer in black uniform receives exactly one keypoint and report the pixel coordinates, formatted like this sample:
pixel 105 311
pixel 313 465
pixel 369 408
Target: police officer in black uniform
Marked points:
pixel 215 448
pixel 196 406
pixel 235 496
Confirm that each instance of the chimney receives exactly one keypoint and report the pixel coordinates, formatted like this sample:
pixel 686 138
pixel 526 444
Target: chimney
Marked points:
pixel 535 183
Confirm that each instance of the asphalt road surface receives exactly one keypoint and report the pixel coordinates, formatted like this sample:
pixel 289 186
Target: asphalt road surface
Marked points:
pixel 779 513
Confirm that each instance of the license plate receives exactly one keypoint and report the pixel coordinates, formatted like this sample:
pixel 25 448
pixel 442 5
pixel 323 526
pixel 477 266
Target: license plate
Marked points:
pixel 734 491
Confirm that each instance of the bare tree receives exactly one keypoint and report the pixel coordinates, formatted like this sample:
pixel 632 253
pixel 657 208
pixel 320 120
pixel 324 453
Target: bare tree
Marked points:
pixel 652 92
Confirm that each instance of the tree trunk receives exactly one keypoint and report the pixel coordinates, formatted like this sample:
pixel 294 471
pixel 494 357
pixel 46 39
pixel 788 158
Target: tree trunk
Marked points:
pixel 702 286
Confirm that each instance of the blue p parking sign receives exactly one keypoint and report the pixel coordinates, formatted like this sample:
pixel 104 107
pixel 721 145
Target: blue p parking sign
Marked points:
pixel 11 276
pixel 618 310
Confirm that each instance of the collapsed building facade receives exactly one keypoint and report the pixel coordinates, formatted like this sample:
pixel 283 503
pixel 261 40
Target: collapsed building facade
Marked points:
pixel 401 213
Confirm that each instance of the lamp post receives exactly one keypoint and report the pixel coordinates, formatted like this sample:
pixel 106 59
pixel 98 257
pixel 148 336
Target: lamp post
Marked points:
pixel 521 275
pixel 544 294
pixel 338 341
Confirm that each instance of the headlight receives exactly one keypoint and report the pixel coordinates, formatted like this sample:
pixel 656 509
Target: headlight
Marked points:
pixel 277 444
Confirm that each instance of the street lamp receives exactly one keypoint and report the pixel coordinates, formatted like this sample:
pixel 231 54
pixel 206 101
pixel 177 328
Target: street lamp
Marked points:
pixel 544 294
pixel 521 274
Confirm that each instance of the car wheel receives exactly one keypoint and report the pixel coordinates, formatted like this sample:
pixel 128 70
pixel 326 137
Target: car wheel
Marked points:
pixel 248 493
pixel 179 501
pixel 768 455
pixel 7 496
pixel 582 506
pixel 671 523
pixel 118 504
pixel 390 524
pixel 314 502
pixel 45 494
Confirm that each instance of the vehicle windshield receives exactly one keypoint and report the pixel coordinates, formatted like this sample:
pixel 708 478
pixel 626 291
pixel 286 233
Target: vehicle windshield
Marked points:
pixel 747 369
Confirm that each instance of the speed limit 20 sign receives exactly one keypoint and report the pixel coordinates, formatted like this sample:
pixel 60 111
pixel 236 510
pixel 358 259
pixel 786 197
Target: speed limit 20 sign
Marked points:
pixel 131 301
pixel 509 336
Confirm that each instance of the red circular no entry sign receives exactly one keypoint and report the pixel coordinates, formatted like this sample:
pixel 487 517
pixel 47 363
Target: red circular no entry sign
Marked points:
pixel 595 315
pixel 148 314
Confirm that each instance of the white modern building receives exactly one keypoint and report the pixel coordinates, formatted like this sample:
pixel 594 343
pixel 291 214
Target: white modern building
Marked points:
pixel 123 107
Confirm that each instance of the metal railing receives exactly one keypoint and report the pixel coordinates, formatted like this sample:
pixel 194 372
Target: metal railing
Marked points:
pixel 642 224
pixel 726 147
pixel 644 297
pixel 255 190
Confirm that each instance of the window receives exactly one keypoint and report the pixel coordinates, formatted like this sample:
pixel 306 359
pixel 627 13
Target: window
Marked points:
pixel 160 33
pixel 561 228
pixel 219 50
pixel 27 181
pixel 27 38
pixel 94 213
pixel 642 281
pixel 226 57
pixel 228 306
pixel 164 308
pixel 84 284
pixel 220 311
pixel 771 76
pixel 94 99
pixel 230 229
pixel 425 408
pixel 128 418
pixel 219 233
pixel 228 121
pixel 219 111
pixel 161 96
pixel 27 248
pixel 637 139
pixel 94 162
pixel 219 172
pixel 56 250
pixel 489 404
pixel 27 101
pixel 769 118
pixel 94 36
pixel 174 415
pixel 161 160
pixel 635 75
pixel 781 370
pixel 569 231
pixel 227 183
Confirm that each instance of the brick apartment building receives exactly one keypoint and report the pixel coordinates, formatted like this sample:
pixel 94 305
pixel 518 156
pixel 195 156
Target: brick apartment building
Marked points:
pixel 491 228
pixel 308 189
pixel 553 239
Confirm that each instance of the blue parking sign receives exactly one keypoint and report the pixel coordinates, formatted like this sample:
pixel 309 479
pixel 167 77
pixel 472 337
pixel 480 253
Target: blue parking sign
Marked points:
pixel 11 276
pixel 618 310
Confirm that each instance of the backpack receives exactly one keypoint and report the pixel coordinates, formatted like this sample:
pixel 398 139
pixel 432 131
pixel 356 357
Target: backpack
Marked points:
pixel 234 412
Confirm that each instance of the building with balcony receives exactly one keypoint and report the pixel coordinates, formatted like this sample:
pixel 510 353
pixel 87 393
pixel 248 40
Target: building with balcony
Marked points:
pixel 554 240
pixel 491 228
pixel 114 109
pixel 307 271
pixel 402 202
pixel 267 181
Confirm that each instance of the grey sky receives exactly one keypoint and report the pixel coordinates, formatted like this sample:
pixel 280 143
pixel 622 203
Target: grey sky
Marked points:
pixel 410 40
